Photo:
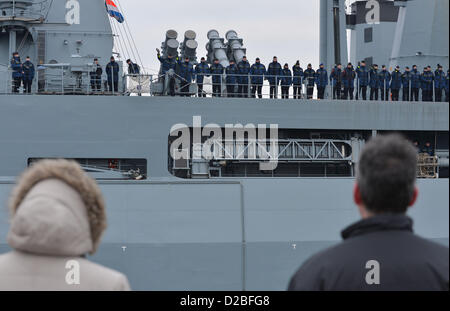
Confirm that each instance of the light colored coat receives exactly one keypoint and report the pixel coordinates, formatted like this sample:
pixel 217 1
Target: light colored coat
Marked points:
pixel 51 231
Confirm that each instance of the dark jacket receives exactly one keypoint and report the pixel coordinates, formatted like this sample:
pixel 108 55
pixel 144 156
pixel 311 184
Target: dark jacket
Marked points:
pixel 321 77
pixel 232 71
pixel 96 73
pixel 286 77
pixel 216 72
pixel 363 75
pixel 396 80
pixel 244 70
pixel 133 69
pixel 415 79
pixel 297 71
pixel 257 71
pixel 407 262
pixel 28 71
pixel 439 79
pixel 428 150
pixel 336 76
pixel 167 64
pixel 426 80
pixel 348 77
pixel 309 77
pixel 186 71
pixel 374 79
pixel 384 78
pixel 16 66
pixel 406 79
pixel 112 71
pixel 201 71
pixel 274 71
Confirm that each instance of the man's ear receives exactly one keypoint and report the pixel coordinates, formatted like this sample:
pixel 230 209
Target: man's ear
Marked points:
pixel 357 195
pixel 414 198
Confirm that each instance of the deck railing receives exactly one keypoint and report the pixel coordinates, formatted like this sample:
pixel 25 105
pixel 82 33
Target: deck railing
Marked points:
pixel 59 80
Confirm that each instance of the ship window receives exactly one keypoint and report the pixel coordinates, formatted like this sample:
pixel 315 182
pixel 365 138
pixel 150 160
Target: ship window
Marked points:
pixel 369 61
pixel 368 35
pixel 110 169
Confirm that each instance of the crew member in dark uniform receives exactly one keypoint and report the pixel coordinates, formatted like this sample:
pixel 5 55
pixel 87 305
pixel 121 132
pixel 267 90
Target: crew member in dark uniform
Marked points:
pixel 297 72
pixel 257 72
pixel 286 81
pixel 348 78
pixel 185 71
pixel 406 82
pixel 96 76
pixel 168 63
pixel 232 72
pixel 244 71
pixel 28 75
pixel 336 80
pixel 439 83
pixel 396 83
pixel 274 72
pixel 112 71
pixel 16 66
pixel 415 83
pixel 374 82
pixel 309 77
pixel 363 80
pixel 321 81
pixel 133 68
pixel 201 71
pixel 217 71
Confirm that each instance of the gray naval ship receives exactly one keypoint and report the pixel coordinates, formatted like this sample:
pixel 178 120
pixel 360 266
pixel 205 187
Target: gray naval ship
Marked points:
pixel 236 219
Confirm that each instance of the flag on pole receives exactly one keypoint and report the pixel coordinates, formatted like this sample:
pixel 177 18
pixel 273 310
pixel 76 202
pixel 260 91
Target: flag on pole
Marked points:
pixel 113 11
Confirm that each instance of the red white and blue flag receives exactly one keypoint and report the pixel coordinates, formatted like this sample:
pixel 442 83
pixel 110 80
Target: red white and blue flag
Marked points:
pixel 113 11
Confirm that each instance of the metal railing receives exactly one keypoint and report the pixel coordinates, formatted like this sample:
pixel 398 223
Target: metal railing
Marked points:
pixel 254 86
pixel 427 166
pixel 57 79
pixel 220 85
pixel 297 150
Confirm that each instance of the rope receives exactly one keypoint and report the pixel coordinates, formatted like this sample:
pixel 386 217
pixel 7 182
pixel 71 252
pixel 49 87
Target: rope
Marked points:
pixel 117 40
pixel 127 37
pixel 132 39
pixel 23 41
pixel 118 30
pixel 48 11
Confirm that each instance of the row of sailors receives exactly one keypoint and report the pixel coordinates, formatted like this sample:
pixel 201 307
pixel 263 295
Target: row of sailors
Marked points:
pixel 342 80
pixel 410 81
pixel 25 73
pixel 22 73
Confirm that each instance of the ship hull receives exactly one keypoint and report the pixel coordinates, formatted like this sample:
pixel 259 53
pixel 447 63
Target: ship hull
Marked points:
pixel 233 234
pixel 167 233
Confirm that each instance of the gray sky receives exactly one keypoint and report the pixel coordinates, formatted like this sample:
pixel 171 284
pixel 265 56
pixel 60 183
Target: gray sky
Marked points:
pixel 288 29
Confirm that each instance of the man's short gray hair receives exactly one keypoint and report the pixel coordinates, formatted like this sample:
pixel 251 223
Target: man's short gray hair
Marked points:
pixel 386 174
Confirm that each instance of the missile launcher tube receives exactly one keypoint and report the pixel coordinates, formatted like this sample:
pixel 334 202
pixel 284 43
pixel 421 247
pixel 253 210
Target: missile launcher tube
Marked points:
pixel 235 46
pixel 217 48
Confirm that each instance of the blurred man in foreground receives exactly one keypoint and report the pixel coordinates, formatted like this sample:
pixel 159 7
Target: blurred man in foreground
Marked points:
pixel 380 252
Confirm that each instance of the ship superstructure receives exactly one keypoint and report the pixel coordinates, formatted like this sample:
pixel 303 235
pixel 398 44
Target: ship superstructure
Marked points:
pixel 400 32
